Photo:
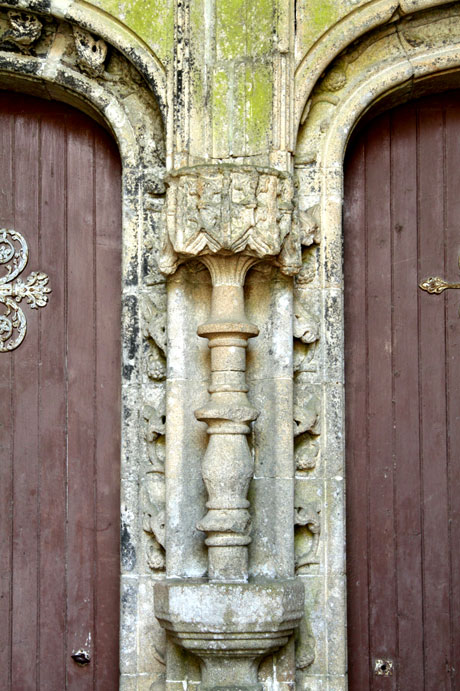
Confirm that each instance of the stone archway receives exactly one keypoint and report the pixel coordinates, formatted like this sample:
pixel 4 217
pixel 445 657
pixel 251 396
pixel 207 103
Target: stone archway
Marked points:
pixel 405 58
pixel 81 59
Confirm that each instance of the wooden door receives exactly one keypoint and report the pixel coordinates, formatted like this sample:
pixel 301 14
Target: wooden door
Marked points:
pixel 60 404
pixel 402 225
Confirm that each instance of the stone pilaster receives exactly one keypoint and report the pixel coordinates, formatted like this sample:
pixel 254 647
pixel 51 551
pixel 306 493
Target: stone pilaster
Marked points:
pixel 229 218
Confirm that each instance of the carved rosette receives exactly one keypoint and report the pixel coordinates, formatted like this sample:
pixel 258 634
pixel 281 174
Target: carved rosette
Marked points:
pixel 229 209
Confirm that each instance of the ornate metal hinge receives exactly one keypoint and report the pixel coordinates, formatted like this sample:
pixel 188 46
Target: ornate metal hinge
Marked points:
pixel 14 254
pixel 434 284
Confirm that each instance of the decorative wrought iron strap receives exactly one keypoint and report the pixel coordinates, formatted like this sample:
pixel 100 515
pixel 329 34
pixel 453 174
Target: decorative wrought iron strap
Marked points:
pixel 14 254
pixel 436 285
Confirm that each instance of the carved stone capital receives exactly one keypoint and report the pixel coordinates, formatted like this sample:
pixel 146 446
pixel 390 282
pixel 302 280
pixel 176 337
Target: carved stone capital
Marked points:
pixel 229 209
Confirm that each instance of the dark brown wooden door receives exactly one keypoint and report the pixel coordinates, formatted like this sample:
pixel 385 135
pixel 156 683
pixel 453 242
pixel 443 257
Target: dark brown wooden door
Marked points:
pixel 60 404
pixel 402 224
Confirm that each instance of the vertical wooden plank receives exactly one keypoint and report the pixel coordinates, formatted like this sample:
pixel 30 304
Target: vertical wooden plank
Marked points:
pixel 81 410
pixel 25 410
pixel 382 604
pixel 52 410
pixel 108 395
pixel 356 401
pixel 424 396
pixel 409 673
pixel 6 419
pixel 432 404
pixel 452 299
pixel 50 616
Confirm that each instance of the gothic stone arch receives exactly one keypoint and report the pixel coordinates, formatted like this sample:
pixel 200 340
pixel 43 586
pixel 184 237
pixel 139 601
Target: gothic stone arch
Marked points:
pixel 402 59
pixel 91 62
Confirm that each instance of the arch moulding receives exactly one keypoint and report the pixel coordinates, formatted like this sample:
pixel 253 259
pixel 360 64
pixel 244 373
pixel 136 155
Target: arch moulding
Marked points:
pixel 407 57
pixel 74 53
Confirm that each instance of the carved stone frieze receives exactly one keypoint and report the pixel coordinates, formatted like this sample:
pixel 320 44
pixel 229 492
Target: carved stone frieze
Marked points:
pixel 307 427
pixel 154 519
pixel 308 225
pixel 153 313
pixel 228 209
pixel 154 330
pixel 307 409
pixel 14 255
pixel 306 325
pixel 305 644
pixel 307 517
pixel 154 432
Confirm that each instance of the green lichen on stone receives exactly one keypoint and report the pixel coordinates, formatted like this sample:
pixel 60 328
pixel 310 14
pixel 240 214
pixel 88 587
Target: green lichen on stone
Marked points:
pixel 220 120
pixel 243 28
pixel 258 95
pixel 323 13
pixel 151 20
pixel 314 18
pixel 197 60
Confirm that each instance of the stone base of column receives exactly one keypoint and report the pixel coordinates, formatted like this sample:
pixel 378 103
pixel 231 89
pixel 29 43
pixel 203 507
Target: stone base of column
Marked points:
pixel 229 626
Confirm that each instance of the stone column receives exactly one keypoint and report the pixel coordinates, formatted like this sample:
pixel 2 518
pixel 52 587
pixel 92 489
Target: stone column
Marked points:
pixel 229 218
pixel 227 465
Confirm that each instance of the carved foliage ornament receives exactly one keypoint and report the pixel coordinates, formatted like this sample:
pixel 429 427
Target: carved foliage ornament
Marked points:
pixel 24 29
pixel 91 52
pixel 230 209
pixel 14 254
pixel 308 516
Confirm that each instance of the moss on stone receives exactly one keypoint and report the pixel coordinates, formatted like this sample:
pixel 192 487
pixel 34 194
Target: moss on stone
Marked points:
pixel 243 28
pixel 258 107
pixel 323 13
pixel 220 123
pixel 151 20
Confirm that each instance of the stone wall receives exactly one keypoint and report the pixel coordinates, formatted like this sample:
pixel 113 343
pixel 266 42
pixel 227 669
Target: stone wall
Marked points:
pixel 232 118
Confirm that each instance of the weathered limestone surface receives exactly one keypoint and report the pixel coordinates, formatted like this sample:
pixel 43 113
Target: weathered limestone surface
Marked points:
pixel 233 403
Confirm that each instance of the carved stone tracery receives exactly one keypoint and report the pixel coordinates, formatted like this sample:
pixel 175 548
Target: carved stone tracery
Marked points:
pixel 307 517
